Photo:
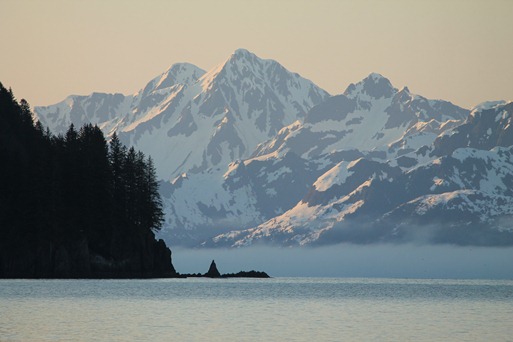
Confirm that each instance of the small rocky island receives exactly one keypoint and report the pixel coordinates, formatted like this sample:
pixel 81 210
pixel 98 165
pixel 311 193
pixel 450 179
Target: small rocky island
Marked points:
pixel 213 272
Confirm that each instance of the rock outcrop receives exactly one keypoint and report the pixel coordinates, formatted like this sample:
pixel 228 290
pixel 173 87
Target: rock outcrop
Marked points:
pixel 212 271
pixel 134 256
pixel 246 274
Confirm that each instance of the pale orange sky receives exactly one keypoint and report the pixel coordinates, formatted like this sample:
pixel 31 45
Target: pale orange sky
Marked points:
pixel 461 51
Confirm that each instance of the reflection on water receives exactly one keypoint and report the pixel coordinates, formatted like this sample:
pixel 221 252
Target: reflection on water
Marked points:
pixel 292 309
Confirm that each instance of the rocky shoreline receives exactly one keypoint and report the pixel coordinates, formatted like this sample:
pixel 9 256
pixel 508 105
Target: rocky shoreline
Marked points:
pixel 137 256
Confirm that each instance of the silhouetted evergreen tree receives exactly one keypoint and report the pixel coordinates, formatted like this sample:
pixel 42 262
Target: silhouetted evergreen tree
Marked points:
pixel 72 195
pixel 152 205
pixel 72 188
pixel 22 148
pixel 95 180
pixel 117 155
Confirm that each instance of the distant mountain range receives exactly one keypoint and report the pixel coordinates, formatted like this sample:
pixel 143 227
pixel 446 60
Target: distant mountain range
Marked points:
pixel 190 120
pixel 249 152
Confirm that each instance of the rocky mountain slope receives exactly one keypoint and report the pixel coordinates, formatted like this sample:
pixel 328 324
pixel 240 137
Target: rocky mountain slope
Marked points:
pixel 461 195
pixel 374 120
pixel 249 151
pixel 189 120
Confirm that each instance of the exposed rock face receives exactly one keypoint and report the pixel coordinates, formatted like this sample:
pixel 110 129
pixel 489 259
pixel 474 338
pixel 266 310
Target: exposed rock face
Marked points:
pixel 249 153
pixel 454 188
pixel 212 271
pixel 199 119
pixel 371 120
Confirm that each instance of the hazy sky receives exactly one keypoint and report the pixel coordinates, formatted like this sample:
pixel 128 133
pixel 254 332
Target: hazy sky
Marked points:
pixel 460 51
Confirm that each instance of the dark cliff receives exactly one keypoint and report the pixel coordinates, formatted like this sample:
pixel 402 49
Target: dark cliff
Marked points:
pixel 132 256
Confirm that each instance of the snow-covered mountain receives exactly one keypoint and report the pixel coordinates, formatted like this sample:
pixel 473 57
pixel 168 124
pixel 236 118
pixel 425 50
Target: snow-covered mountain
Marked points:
pixel 189 120
pixel 368 116
pixel 462 194
pixel 249 152
pixel 280 172
pixel 117 112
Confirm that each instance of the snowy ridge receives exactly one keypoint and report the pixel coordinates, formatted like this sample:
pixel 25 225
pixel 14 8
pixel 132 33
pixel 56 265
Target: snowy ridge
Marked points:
pixel 465 197
pixel 204 119
pixel 103 109
pixel 250 152
pixel 116 112
pixel 370 115
pixel 483 204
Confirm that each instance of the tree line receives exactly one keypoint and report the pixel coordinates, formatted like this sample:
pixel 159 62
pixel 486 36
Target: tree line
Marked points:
pixel 71 186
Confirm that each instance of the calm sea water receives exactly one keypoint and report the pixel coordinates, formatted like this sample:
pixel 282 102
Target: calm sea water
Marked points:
pixel 279 309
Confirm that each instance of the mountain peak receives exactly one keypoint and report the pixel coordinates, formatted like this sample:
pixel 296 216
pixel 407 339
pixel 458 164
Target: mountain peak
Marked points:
pixel 242 52
pixel 375 85
pixel 245 69
pixel 405 90
pixel 375 77
pixel 180 73
pixel 243 55
pixel 178 68
pixel 232 67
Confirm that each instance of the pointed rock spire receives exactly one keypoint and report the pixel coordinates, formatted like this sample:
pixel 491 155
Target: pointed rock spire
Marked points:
pixel 212 271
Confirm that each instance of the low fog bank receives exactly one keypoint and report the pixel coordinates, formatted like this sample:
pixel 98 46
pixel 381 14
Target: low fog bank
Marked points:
pixel 387 260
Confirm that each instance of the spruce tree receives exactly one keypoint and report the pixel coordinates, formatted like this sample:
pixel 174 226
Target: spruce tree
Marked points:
pixel 153 202
pixel 117 156
pixel 95 180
